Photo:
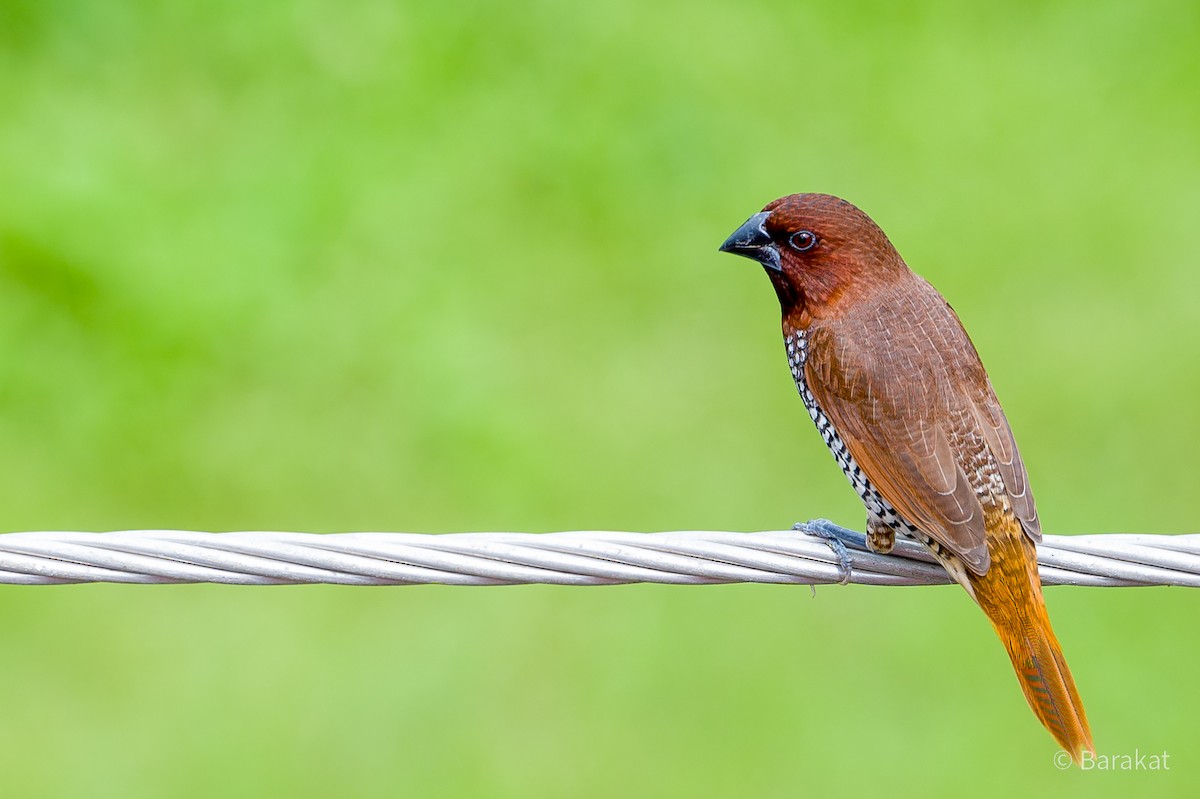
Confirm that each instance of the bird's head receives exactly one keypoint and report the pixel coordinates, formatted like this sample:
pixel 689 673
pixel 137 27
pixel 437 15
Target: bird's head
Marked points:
pixel 819 251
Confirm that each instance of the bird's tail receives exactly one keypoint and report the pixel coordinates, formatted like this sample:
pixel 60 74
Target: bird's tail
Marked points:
pixel 1011 596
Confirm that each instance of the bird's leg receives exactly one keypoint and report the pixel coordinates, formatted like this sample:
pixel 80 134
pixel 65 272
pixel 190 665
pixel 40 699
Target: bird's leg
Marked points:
pixel 881 538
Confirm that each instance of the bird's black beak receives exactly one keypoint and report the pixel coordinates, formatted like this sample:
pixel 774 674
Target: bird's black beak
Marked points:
pixel 751 240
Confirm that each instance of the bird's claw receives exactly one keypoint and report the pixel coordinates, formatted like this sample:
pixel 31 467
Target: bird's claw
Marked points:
pixel 839 540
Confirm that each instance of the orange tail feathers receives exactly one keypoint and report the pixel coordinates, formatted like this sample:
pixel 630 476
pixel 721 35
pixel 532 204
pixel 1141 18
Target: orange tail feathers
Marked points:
pixel 1011 596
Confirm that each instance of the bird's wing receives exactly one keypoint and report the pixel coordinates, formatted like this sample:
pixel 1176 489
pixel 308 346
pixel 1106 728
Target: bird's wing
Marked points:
pixel 900 392
pixel 993 424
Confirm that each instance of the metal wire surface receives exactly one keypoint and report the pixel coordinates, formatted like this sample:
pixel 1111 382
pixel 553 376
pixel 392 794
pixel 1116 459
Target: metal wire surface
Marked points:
pixel 570 558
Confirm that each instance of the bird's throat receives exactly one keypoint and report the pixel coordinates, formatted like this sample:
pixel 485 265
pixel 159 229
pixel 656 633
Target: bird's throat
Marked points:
pixel 790 298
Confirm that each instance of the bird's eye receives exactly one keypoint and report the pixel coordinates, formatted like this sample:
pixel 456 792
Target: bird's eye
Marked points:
pixel 803 241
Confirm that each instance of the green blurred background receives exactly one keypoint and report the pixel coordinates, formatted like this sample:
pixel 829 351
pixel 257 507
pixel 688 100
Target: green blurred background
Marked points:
pixel 440 266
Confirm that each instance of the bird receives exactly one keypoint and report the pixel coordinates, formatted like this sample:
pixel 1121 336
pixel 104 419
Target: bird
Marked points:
pixel 900 396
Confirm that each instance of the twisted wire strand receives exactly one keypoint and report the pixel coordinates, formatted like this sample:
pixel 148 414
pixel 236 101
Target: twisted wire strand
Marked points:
pixel 569 558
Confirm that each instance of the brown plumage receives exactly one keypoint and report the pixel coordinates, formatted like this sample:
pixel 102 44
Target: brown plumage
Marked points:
pixel 900 396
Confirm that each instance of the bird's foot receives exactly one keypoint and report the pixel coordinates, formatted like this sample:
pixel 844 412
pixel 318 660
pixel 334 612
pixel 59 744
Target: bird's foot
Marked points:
pixel 838 538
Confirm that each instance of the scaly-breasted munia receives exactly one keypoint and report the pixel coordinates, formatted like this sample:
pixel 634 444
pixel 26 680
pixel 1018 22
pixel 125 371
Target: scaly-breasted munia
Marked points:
pixel 900 397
